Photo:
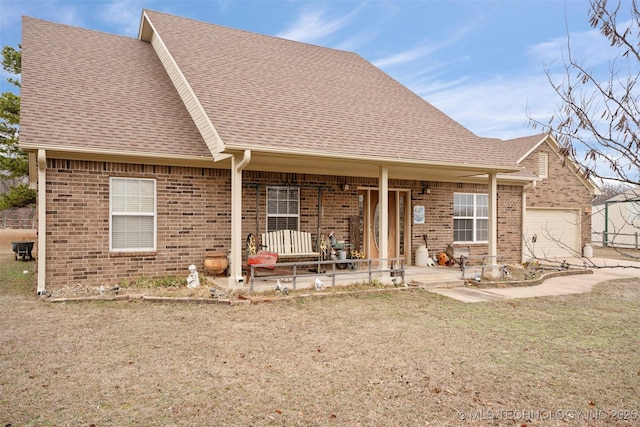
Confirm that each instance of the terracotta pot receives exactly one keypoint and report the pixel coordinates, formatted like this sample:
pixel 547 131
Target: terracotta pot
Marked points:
pixel 216 262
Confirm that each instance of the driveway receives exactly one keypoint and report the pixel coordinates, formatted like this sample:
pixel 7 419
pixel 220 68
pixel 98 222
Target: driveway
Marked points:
pixel 608 269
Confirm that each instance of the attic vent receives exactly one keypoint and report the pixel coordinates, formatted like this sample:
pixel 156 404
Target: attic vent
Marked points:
pixel 543 165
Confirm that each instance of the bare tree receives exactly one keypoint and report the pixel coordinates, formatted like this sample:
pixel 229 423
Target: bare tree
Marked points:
pixel 600 116
pixel 597 121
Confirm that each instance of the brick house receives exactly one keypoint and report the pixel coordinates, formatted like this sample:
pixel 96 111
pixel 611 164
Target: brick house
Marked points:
pixel 149 152
pixel 557 204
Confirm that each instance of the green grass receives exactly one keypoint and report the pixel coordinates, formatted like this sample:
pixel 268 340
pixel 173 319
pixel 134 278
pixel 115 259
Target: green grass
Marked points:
pixel 17 277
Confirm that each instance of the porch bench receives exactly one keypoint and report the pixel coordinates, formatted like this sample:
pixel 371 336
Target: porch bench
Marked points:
pixel 289 244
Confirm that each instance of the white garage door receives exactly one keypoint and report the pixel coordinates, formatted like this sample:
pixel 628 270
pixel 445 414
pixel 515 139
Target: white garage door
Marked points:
pixel 556 231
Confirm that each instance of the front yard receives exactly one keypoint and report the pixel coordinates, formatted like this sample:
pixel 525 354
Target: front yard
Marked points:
pixel 397 358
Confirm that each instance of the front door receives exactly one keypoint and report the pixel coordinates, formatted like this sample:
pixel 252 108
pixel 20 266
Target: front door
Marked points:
pixel 399 230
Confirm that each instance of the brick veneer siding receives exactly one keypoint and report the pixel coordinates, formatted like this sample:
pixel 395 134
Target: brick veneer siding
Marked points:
pixel 562 188
pixel 438 224
pixel 194 216
pixel 337 204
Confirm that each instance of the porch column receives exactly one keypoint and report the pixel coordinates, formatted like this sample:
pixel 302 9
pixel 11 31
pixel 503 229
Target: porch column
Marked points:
pixel 384 216
pixel 493 223
pixel 237 247
pixel 42 222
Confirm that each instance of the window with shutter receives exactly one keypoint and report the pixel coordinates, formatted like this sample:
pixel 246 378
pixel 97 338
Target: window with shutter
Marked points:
pixel 283 208
pixel 132 205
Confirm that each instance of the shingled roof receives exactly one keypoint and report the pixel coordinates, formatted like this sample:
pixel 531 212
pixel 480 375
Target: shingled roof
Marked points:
pixel 85 90
pixel 261 91
pixel 518 148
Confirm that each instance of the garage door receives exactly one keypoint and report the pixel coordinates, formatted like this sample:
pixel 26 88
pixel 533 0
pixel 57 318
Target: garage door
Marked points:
pixel 556 231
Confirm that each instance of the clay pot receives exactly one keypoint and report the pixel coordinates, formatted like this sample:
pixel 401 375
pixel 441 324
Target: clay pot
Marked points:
pixel 216 262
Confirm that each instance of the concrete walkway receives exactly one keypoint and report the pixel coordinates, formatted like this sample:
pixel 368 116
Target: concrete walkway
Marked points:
pixel 579 283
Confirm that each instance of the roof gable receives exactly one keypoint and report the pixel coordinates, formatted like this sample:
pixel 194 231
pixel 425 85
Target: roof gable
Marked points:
pixel 271 94
pixel 88 91
pixel 522 148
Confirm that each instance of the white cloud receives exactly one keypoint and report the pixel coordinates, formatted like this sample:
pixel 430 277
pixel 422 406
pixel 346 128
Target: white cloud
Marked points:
pixel 590 47
pixel 423 49
pixel 312 26
pixel 356 42
pixel 496 107
pixel 51 10
pixel 124 14
pixel 406 56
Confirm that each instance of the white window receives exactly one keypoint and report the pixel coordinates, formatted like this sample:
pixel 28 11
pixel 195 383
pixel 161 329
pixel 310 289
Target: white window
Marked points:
pixel 470 217
pixel 543 165
pixel 132 205
pixel 283 208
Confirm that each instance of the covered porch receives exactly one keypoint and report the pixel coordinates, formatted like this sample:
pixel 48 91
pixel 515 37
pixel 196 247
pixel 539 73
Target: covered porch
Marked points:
pixel 379 174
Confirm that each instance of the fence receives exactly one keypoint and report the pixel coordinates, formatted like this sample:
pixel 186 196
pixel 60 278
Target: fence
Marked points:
pixel 291 270
pixel 18 223
pixel 634 242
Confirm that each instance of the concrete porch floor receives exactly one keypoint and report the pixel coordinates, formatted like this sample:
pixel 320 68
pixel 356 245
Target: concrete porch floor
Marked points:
pixel 447 281
pixel 426 277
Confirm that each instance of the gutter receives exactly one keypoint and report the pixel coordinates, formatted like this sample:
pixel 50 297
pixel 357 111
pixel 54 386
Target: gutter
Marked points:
pixel 399 161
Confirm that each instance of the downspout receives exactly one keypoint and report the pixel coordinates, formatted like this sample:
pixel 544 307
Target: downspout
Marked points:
pixel 237 167
pixel 42 221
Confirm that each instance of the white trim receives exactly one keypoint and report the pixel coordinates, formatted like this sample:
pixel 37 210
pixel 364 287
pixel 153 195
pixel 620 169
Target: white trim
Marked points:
pixel 535 147
pixel 574 167
pixel 187 94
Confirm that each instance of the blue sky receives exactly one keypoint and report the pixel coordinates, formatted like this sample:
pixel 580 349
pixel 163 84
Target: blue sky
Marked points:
pixel 481 62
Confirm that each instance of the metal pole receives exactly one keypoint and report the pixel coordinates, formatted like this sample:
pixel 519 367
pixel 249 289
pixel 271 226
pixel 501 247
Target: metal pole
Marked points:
pixel 605 236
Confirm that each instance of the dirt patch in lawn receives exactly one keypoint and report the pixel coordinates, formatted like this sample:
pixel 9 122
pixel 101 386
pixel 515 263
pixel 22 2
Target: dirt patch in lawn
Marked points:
pixel 385 358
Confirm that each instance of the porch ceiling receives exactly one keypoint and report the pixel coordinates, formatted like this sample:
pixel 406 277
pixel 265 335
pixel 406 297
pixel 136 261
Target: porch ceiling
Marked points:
pixel 370 168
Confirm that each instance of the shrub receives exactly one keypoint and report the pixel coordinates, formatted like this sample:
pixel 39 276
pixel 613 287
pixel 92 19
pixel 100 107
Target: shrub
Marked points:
pixel 18 197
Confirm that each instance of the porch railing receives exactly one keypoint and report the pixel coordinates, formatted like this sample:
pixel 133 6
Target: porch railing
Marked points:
pixel 308 269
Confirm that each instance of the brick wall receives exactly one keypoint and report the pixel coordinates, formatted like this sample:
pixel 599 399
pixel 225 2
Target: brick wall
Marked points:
pixel 337 204
pixel 562 188
pixel 194 216
pixel 438 224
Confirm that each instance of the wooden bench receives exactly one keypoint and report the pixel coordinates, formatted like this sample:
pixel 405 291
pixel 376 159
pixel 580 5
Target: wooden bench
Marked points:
pixel 289 244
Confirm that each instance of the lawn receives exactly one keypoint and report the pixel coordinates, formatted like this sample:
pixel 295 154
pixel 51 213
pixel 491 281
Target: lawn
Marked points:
pixel 397 358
